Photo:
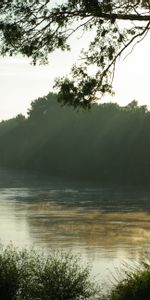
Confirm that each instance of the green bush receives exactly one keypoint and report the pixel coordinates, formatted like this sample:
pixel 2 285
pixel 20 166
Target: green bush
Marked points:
pixel 28 275
pixel 135 285
pixel 9 275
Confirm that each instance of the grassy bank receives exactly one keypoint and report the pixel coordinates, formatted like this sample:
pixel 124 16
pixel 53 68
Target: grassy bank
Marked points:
pixel 28 275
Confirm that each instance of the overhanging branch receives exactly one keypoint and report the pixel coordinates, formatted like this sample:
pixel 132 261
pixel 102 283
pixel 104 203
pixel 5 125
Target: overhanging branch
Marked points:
pixel 100 14
pixel 130 17
pixel 126 46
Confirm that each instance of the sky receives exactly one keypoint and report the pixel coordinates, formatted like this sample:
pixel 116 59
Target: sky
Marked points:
pixel 21 83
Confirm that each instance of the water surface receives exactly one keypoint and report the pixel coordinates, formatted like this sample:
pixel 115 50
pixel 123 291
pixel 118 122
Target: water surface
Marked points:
pixel 105 225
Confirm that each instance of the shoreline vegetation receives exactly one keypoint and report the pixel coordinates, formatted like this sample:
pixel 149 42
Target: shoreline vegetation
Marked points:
pixel 28 274
pixel 107 144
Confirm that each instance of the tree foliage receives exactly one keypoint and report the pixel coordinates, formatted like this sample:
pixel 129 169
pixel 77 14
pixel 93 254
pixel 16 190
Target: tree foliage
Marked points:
pixel 36 28
pixel 108 144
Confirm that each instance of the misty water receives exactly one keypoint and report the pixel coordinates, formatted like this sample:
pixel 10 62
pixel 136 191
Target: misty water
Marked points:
pixel 105 225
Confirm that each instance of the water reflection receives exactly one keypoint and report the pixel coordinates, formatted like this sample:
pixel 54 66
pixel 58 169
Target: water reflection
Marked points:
pixel 58 224
pixel 104 224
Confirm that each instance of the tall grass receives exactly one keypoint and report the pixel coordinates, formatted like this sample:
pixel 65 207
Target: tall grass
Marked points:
pixel 134 286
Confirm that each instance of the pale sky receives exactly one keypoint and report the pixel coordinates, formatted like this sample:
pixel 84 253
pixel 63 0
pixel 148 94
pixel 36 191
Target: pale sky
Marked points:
pixel 21 83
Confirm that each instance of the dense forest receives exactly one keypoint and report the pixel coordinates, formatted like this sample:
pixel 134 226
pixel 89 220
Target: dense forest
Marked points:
pixel 107 143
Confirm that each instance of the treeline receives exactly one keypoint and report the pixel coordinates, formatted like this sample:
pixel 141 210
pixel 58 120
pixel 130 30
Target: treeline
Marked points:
pixel 108 143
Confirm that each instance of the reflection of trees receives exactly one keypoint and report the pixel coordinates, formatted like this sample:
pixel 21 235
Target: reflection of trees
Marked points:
pixel 55 225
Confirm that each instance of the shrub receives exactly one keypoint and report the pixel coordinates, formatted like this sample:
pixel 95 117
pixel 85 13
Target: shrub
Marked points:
pixel 135 285
pixel 9 276
pixel 28 275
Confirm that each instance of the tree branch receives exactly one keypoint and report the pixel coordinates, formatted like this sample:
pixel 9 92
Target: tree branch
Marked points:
pixel 126 46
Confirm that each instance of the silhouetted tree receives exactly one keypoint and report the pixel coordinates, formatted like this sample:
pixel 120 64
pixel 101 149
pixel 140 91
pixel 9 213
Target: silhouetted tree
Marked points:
pixel 37 28
pixel 108 144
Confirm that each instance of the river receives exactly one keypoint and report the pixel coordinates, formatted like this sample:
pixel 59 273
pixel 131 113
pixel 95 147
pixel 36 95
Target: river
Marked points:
pixel 105 225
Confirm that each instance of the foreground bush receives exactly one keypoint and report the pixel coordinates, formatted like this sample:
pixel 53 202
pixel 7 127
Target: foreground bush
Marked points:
pixel 26 275
pixel 135 285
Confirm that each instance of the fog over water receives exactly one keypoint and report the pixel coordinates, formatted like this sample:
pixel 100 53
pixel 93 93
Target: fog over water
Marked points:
pixel 105 225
